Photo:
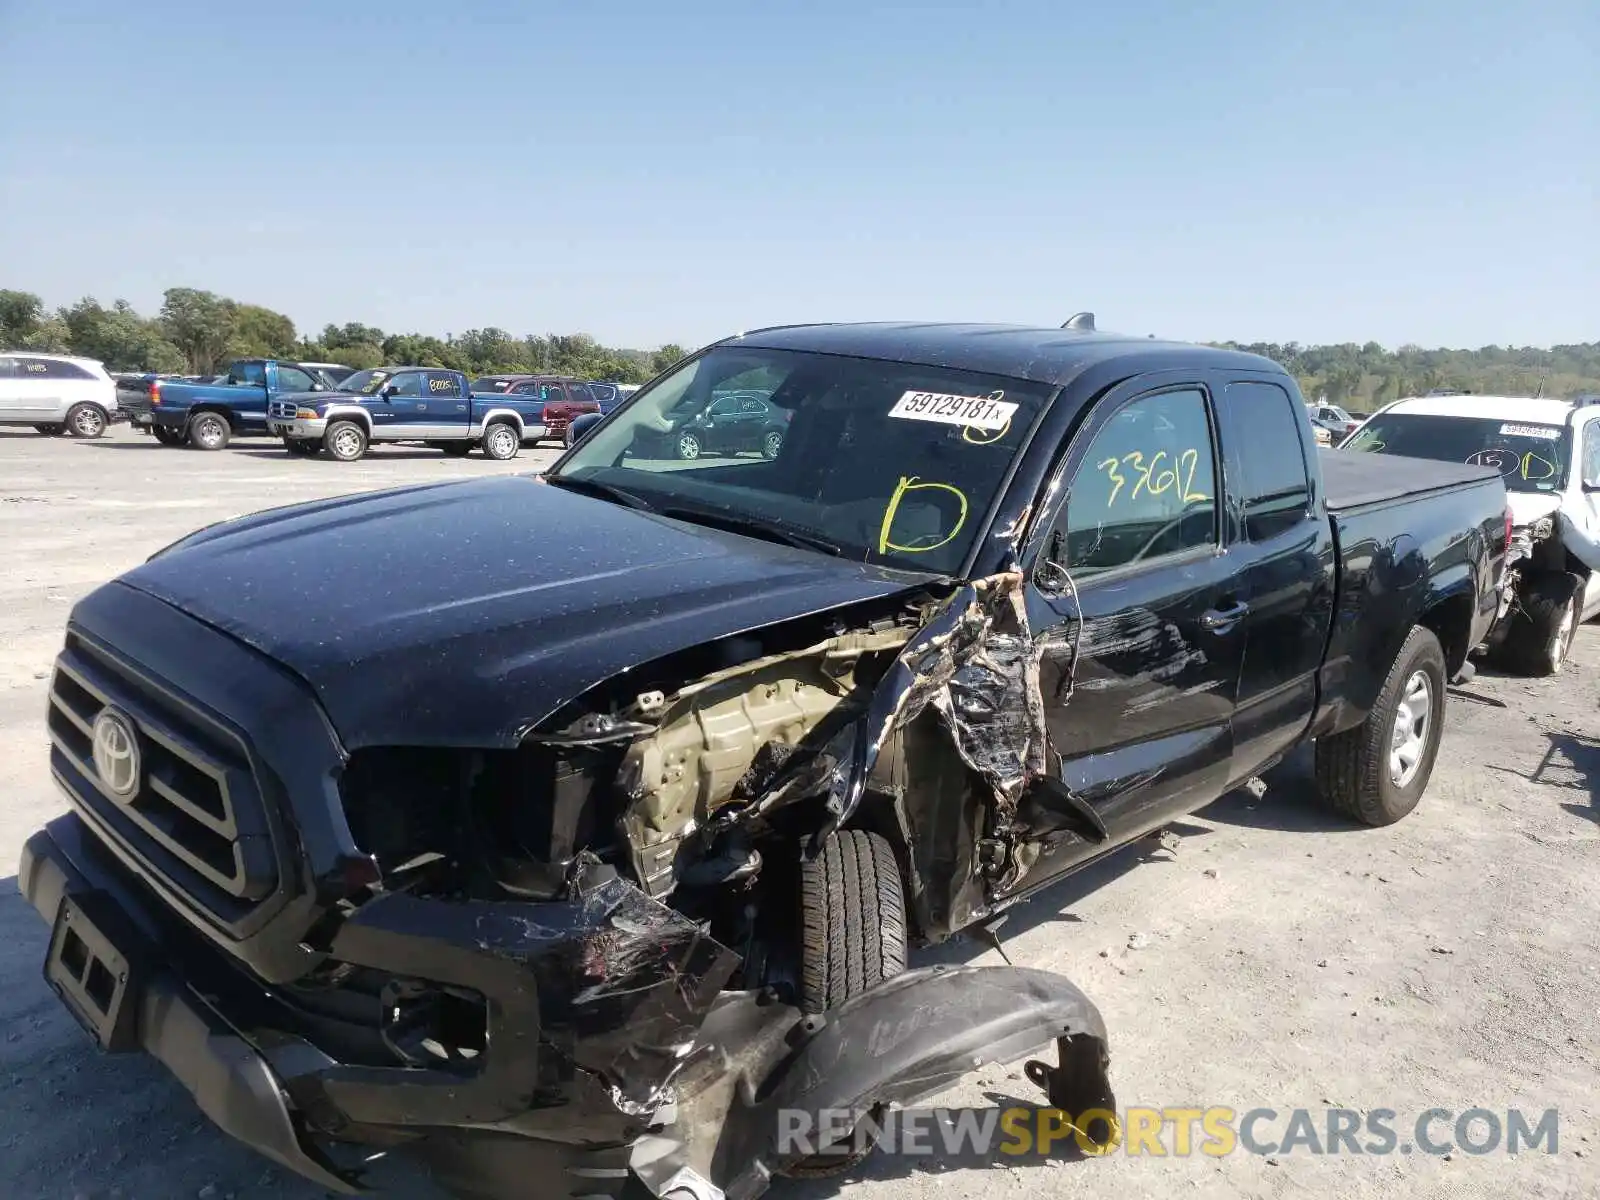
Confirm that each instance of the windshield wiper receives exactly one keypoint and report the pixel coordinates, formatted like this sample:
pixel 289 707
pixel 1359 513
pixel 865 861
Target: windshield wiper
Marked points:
pixel 754 526
pixel 603 491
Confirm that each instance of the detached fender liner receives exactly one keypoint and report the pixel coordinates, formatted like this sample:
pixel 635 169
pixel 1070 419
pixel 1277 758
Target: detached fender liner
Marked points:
pixel 904 1040
pixel 228 1078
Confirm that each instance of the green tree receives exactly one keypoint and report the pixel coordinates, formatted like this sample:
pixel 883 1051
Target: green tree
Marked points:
pixel 261 333
pixel 665 357
pixel 20 316
pixel 119 337
pixel 200 324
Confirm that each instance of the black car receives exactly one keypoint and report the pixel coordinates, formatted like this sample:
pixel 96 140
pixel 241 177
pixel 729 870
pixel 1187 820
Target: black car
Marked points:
pixel 733 423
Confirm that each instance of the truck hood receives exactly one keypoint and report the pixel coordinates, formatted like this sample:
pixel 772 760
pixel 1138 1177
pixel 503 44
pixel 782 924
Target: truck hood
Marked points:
pixel 464 613
pixel 1528 507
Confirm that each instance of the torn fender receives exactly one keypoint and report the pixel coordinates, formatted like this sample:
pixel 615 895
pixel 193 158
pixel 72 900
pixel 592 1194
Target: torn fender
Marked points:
pixel 906 1039
pixel 1580 543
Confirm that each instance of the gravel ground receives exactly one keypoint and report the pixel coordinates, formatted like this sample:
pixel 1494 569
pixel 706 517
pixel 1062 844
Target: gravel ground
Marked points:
pixel 1266 956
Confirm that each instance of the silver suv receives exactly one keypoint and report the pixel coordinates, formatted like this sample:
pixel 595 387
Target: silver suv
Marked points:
pixel 56 393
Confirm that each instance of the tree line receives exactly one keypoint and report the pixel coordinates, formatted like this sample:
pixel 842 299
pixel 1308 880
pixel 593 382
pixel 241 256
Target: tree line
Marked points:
pixel 198 331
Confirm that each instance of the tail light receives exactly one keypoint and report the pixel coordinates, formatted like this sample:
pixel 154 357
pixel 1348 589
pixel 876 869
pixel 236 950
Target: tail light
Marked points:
pixel 155 391
pixel 1508 531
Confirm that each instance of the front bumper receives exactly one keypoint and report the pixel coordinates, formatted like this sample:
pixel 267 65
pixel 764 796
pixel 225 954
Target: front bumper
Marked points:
pixel 611 1051
pixel 304 428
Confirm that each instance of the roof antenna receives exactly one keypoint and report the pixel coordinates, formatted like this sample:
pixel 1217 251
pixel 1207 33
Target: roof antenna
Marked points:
pixel 1083 320
pixel 1543 375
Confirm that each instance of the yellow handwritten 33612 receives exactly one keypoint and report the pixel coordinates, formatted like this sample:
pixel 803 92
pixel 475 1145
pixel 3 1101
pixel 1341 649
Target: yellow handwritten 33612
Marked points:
pixel 1152 477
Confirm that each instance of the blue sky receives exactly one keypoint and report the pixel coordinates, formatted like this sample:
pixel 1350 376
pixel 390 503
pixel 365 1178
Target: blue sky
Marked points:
pixel 1412 171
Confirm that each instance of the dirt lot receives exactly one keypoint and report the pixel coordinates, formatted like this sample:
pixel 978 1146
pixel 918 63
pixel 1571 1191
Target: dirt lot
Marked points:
pixel 1272 957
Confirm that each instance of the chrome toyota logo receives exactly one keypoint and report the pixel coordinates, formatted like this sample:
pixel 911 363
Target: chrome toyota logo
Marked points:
pixel 116 753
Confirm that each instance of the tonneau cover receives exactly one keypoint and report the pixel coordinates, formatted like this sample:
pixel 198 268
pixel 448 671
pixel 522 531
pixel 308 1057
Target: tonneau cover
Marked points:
pixel 1352 478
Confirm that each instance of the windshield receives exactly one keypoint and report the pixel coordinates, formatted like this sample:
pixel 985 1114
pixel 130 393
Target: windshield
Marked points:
pixel 365 382
pixel 1530 457
pixel 891 462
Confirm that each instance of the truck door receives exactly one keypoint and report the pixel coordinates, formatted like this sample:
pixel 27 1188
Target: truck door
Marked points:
pixel 444 406
pixel 1135 607
pixel 1284 561
pixel 399 410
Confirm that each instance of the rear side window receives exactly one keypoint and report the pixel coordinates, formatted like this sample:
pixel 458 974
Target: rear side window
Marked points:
pixel 1145 489
pixel 31 368
pixel 1591 454
pixel 1274 486
pixel 64 370
pixel 552 393
pixel 444 384
pixel 253 373
pixel 293 379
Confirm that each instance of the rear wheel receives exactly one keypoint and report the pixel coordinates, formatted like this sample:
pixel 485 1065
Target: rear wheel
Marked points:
pixel 501 441
pixel 86 420
pixel 168 437
pixel 688 446
pixel 1546 621
pixel 345 441
pixel 771 444
pixel 853 919
pixel 209 431
pixel 1376 773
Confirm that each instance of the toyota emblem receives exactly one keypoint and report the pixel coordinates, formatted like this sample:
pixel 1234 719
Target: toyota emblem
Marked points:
pixel 116 753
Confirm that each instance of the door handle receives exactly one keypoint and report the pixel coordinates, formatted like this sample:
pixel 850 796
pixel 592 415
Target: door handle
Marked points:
pixel 1221 618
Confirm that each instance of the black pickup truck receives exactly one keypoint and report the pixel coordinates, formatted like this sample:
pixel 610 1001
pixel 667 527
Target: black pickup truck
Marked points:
pixel 583 860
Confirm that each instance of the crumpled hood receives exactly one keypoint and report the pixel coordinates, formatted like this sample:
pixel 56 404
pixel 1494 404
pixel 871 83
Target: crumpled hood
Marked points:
pixel 1528 507
pixel 463 613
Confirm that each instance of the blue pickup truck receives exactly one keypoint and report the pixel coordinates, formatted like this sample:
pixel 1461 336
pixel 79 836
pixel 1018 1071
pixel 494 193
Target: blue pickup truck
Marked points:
pixel 405 404
pixel 207 415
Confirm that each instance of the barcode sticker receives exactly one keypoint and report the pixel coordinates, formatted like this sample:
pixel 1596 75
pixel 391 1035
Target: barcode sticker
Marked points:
pixel 1530 431
pixel 974 412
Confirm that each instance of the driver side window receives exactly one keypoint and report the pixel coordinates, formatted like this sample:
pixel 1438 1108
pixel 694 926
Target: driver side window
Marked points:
pixel 1146 488
pixel 1591 454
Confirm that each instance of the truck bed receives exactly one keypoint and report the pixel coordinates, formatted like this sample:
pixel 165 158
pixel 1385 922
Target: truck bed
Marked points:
pixel 1353 480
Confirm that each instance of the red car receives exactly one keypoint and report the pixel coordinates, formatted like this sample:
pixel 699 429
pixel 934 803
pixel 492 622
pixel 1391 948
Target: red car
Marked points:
pixel 563 396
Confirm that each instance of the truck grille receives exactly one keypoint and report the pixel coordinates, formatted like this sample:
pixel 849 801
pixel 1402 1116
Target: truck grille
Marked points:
pixel 281 410
pixel 188 806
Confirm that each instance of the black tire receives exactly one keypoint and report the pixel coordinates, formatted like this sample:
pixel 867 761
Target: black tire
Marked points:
pixel 345 441
pixel 87 421
pixel 772 443
pixel 302 447
pixel 209 431
pixel 501 441
pixel 51 430
pixel 168 437
pixel 1354 772
pixel 687 446
pixel 454 449
pixel 853 919
pixel 1543 624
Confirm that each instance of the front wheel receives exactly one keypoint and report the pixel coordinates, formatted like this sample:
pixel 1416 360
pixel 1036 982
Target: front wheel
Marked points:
pixel 86 420
pixel 853 919
pixel 1544 625
pixel 501 441
pixel 688 446
pixel 209 431
pixel 772 444
pixel 1376 773
pixel 345 441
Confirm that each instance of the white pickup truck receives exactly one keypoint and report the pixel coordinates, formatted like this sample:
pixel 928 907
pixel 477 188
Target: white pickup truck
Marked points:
pixel 1548 453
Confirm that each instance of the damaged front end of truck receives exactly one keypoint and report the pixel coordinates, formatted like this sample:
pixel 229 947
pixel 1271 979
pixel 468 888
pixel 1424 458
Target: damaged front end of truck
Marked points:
pixel 576 958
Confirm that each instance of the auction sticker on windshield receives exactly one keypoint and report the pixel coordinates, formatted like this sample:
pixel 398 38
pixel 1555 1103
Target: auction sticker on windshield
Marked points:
pixel 1530 431
pixel 975 412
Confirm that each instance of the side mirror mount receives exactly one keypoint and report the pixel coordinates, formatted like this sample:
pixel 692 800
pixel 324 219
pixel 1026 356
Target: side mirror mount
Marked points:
pixel 385 392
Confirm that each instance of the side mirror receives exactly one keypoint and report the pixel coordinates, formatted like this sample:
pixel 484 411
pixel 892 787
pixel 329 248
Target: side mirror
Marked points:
pixel 385 392
pixel 1591 485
